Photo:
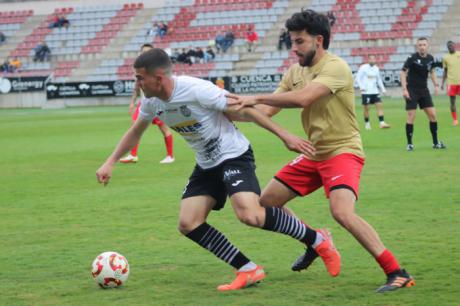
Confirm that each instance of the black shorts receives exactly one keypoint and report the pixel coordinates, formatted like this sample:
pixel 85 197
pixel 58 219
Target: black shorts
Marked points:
pixel 370 99
pixel 231 176
pixel 420 97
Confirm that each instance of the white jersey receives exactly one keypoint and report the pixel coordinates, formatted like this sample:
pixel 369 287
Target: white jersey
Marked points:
pixel 369 80
pixel 195 110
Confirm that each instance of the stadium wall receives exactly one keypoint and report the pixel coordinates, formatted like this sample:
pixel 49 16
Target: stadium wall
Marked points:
pixel 38 100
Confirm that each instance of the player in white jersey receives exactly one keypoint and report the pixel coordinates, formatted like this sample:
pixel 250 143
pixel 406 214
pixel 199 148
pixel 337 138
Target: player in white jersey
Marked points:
pixel 225 166
pixel 132 157
pixel 370 83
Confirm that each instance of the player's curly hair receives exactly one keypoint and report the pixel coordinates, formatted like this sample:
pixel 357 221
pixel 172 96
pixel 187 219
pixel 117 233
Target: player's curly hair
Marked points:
pixel 313 23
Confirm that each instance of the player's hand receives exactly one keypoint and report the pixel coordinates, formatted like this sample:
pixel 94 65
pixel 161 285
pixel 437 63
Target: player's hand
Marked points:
pixel 299 145
pixel 242 101
pixel 436 90
pixel 104 173
pixel 406 94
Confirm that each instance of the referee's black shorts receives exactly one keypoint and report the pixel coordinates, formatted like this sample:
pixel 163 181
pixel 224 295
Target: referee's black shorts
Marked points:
pixel 420 97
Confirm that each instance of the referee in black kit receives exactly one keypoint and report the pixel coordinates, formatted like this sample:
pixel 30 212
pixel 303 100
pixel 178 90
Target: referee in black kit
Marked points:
pixel 414 84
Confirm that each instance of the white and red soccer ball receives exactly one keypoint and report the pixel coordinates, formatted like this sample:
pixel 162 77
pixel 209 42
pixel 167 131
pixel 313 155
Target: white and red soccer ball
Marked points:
pixel 110 270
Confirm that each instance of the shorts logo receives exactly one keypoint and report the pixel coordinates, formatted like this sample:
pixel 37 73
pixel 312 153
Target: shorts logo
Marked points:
pixel 229 173
pixel 296 160
pixel 336 177
pixel 237 183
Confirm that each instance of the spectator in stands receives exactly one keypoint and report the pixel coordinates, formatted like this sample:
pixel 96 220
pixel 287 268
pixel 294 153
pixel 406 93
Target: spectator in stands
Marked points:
pixel 59 21
pixel 162 29
pixel 15 64
pixel 54 22
pixel 42 52
pixel 285 39
pixel 199 55
pixel 220 41
pixel 154 30
pixel 191 54
pixel 229 38
pixel 63 22
pixel 174 56
pixel 251 38
pixel 183 58
pixel 2 38
pixel 6 66
pixel 209 55
pixel 451 65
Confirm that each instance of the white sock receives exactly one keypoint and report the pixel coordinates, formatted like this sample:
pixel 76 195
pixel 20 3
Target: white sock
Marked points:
pixel 247 267
pixel 318 240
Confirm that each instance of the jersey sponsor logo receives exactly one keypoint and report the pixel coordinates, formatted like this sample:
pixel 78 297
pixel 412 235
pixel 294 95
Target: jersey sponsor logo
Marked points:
pixel 237 183
pixel 230 173
pixel 187 128
pixel 336 177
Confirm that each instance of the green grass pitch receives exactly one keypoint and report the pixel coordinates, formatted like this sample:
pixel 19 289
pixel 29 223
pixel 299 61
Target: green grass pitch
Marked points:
pixel 55 218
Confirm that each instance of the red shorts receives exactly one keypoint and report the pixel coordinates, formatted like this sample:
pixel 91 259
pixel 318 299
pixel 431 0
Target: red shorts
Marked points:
pixel 303 176
pixel 453 90
pixel 155 120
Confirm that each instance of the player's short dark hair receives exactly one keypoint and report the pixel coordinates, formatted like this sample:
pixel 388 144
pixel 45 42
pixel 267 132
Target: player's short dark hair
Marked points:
pixel 313 23
pixel 450 42
pixel 422 38
pixel 152 60
pixel 147 46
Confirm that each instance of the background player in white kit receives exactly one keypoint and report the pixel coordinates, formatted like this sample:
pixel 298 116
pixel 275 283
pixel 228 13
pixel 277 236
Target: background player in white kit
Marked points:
pixel 225 166
pixel 370 83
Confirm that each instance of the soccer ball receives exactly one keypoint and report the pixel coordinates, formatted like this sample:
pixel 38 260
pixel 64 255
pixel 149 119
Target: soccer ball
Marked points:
pixel 110 270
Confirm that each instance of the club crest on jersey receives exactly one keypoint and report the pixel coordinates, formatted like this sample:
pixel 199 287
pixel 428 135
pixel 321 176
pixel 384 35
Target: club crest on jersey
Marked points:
pixel 185 111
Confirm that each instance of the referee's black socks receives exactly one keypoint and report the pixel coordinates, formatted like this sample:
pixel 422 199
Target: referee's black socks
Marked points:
pixel 434 131
pixel 409 132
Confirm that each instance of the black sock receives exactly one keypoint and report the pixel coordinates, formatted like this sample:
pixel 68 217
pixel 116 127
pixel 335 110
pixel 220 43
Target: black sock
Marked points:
pixel 214 241
pixel 366 120
pixel 276 220
pixel 381 119
pixel 434 131
pixel 409 132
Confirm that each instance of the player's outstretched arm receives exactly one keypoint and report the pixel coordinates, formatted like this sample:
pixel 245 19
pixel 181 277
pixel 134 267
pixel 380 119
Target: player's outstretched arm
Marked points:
pixel 292 142
pixel 291 99
pixel 129 140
